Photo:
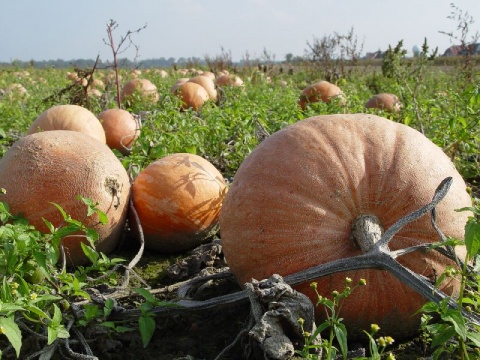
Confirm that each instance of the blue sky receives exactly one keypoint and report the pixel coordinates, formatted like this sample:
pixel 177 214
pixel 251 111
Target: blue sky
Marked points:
pixel 64 29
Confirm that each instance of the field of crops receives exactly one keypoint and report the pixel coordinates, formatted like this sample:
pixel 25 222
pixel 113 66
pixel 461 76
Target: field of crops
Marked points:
pixel 69 313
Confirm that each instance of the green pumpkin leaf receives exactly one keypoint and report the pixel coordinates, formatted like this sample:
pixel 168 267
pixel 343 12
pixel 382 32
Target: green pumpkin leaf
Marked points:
pixel 12 332
pixel 147 327
pixel 472 237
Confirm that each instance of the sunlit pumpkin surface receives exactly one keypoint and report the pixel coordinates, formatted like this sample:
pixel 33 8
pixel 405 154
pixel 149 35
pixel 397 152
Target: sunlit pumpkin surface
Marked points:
pixel 294 198
pixel 178 200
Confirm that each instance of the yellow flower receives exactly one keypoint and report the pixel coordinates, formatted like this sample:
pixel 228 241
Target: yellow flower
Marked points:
pixel 374 328
pixel 390 356
pixel 15 285
pixel 33 296
pixel 362 282
pixel 381 342
pixel 348 280
pixel 2 330
pixel 389 340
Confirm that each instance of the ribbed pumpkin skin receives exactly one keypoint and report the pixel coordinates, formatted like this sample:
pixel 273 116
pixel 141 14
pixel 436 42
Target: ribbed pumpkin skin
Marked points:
pixel 320 91
pixel 57 166
pixel 384 101
pixel 69 117
pixel 293 200
pixel 178 200
pixel 121 129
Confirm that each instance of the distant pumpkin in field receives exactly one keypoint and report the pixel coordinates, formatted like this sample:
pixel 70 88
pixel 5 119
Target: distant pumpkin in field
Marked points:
pixel 121 129
pixel 192 94
pixel 384 101
pixel 227 79
pixel 139 89
pixel 208 85
pixel 321 91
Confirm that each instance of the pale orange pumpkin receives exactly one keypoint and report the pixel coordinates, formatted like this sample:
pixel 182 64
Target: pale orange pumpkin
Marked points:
pixel 69 117
pixel 294 199
pixel 143 88
pixel 193 95
pixel 384 101
pixel 121 129
pixel 208 85
pixel 321 91
pixel 58 166
pixel 229 80
pixel 178 200
pixel 177 84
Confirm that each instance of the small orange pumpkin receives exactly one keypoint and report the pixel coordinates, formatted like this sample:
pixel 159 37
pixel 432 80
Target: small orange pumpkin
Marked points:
pixel 229 80
pixel 121 129
pixel 295 198
pixel 69 117
pixel 57 166
pixel 193 95
pixel 144 88
pixel 384 101
pixel 178 200
pixel 321 91
pixel 208 84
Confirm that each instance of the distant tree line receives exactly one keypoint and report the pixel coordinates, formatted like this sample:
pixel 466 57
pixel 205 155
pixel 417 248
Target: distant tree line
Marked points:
pixel 124 63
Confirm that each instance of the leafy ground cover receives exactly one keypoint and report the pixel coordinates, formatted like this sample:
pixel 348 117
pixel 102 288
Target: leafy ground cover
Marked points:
pixel 443 102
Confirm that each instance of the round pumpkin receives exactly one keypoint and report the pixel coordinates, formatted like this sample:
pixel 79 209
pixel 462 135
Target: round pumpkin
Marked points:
pixel 69 117
pixel 208 84
pixel 229 80
pixel 209 74
pixel 58 166
pixel 177 84
pixel 178 200
pixel 143 88
pixel 384 101
pixel 121 129
pixel 321 91
pixel 193 95
pixel 295 198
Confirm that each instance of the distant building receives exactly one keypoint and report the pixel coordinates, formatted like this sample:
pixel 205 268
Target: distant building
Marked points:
pixel 374 55
pixel 455 50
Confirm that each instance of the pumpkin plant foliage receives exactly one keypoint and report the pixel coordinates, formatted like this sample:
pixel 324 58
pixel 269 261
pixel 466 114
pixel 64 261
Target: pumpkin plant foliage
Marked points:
pixel 34 290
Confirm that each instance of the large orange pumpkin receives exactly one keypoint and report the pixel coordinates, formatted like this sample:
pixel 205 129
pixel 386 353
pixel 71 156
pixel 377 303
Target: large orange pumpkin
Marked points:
pixel 294 199
pixel 178 200
pixel 121 129
pixel 58 166
pixel 321 91
pixel 69 117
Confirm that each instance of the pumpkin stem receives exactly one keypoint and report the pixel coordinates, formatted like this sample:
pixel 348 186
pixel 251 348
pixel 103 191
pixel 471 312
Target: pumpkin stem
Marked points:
pixel 366 231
